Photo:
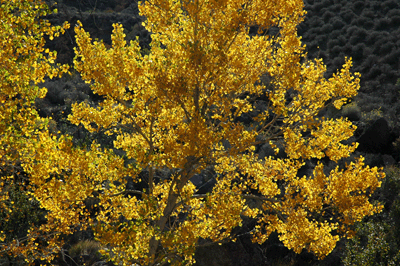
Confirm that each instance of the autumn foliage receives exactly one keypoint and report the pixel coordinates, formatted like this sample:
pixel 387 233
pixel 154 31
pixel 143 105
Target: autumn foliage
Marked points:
pixel 177 108
pixel 24 63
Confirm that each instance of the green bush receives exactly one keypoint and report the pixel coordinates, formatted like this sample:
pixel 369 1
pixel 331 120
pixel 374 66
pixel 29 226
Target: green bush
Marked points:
pixel 18 213
pixel 85 252
pixel 352 111
pixel 377 239
pixel 372 246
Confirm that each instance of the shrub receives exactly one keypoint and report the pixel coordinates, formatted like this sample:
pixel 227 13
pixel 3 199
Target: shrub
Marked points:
pixel 372 115
pixel 324 55
pixel 321 41
pixel 358 51
pixel 337 62
pixel 368 13
pixel 386 48
pixel 85 251
pixel 378 46
pixel 348 16
pixel 377 240
pixel 327 16
pixel 335 51
pixel 332 43
pixel 368 25
pixel 19 212
pixel 382 24
pixel 327 28
pixel 342 40
pixel 352 111
pixel 369 62
pixel 358 36
pixel 363 22
pixel 389 5
pixel 337 23
pixel 388 74
pixel 393 12
pixel 318 7
pixel 395 21
pixel 370 247
pixel 358 6
pixel 347 49
pixel 392 59
pixel 372 37
pixel 376 5
pixel 351 31
pixel 335 34
pixel 315 22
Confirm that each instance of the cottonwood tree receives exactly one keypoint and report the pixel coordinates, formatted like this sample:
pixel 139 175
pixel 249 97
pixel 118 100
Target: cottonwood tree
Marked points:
pixel 178 108
pixel 24 63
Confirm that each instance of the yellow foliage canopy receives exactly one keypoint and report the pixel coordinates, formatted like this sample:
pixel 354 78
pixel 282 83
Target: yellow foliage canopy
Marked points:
pixel 177 108
pixel 23 64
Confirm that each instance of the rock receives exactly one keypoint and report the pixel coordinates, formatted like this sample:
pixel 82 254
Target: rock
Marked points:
pixel 204 181
pixel 388 159
pixel 376 138
pixel 266 150
pixel 197 180
pixel 241 253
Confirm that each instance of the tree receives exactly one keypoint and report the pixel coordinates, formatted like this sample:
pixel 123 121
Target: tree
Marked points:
pixel 178 110
pixel 24 63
